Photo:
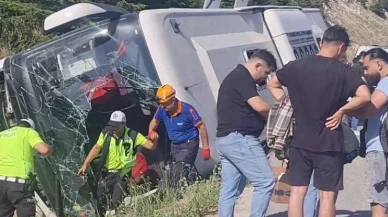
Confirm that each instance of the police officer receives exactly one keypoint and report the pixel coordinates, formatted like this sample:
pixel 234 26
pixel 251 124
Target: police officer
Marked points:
pixel 183 124
pixel 17 146
pixel 120 158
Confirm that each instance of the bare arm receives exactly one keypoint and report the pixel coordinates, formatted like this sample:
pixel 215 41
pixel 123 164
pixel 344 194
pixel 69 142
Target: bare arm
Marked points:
pixel 275 88
pixel 259 105
pixel 378 101
pixel 204 136
pixel 361 98
pixel 92 154
pixel 153 125
pixel 43 149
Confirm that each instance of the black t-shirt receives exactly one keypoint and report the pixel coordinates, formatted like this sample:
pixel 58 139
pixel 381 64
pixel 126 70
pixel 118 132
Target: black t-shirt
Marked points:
pixel 234 112
pixel 318 87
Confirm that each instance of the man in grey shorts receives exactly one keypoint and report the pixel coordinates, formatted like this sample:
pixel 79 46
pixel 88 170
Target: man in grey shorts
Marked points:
pixel 376 71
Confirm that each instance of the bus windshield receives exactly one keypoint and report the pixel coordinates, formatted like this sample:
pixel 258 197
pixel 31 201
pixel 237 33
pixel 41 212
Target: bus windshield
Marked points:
pixel 70 86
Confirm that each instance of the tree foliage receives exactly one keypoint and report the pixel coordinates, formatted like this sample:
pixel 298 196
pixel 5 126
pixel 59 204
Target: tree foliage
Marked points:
pixel 380 7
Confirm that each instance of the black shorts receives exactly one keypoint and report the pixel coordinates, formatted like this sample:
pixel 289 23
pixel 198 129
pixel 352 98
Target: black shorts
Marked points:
pixel 328 169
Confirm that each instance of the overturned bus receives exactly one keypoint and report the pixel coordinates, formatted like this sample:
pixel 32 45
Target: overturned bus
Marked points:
pixel 71 84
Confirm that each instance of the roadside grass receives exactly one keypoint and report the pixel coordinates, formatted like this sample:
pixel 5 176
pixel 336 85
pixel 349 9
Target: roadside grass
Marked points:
pixel 195 200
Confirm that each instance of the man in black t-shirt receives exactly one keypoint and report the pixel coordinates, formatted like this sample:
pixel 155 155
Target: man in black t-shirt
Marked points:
pixel 241 119
pixel 319 86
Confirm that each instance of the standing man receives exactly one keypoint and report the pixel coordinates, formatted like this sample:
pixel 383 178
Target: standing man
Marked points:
pixel 119 160
pixel 376 71
pixel 241 119
pixel 184 126
pixel 319 86
pixel 17 146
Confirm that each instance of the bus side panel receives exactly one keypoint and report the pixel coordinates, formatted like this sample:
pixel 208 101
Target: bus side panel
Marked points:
pixel 205 47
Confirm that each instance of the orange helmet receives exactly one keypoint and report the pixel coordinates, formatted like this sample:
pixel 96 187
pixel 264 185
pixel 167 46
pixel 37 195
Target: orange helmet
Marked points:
pixel 165 93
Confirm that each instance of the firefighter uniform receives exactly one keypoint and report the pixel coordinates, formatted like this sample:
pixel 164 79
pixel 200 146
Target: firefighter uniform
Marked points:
pixel 16 168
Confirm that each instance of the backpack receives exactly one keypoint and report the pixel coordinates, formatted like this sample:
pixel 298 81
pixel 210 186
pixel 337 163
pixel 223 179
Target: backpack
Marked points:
pixel 351 144
pixel 384 136
pixel 384 143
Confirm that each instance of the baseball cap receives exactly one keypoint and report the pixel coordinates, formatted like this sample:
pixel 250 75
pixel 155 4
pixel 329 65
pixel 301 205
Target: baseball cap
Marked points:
pixel 117 118
pixel 29 121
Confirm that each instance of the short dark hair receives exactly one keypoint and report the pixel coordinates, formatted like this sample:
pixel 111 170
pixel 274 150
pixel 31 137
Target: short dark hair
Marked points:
pixel 359 56
pixel 267 56
pixel 358 68
pixel 377 53
pixel 337 34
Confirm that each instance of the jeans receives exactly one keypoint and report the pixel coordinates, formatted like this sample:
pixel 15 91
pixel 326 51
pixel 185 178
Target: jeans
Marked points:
pixel 354 123
pixel 311 201
pixel 242 159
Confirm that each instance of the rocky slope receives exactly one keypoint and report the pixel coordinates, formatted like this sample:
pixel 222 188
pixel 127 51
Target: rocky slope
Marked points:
pixel 364 27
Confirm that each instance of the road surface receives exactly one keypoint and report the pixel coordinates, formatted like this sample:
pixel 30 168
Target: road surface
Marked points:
pixel 351 201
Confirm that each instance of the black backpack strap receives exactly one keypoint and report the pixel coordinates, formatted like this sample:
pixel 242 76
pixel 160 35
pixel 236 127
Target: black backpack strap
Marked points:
pixel 104 153
pixel 384 144
pixel 133 135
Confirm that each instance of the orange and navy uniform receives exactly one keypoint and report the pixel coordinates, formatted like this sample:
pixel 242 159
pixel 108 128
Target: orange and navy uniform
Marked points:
pixel 181 126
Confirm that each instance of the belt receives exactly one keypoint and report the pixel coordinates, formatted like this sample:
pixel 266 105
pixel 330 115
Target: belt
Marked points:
pixel 16 180
pixel 111 171
pixel 187 141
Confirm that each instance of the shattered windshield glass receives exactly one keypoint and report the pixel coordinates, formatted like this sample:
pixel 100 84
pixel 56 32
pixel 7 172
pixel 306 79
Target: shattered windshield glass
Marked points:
pixel 70 86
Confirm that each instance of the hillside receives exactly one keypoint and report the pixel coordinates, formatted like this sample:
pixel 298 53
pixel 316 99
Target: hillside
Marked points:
pixel 364 26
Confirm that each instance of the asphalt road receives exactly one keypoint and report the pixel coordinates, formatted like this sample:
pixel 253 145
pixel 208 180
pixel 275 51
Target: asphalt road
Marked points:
pixel 351 201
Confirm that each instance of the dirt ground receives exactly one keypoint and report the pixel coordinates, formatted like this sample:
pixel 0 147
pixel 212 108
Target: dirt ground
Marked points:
pixel 351 202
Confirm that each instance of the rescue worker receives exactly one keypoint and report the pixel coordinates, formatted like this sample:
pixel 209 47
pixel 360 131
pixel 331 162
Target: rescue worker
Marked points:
pixel 119 161
pixel 184 126
pixel 17 146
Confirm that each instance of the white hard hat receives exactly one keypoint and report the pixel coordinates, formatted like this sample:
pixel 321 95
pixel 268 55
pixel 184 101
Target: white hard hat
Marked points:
pixel 29 121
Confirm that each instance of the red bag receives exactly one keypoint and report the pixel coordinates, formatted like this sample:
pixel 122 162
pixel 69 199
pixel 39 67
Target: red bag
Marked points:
pixel 139 168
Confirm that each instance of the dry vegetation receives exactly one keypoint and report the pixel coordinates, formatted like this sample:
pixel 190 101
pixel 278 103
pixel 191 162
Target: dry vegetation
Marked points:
pixel 364 27
pixel 195 200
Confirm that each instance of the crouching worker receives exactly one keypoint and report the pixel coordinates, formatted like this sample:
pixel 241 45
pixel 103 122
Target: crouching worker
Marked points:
pixel 118 144
pixel 184 126
pixel 17 146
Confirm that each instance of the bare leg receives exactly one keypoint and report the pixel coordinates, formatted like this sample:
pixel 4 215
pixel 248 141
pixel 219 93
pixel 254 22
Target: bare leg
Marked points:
pixel 378 210
pixel 327 203
pixel 295 204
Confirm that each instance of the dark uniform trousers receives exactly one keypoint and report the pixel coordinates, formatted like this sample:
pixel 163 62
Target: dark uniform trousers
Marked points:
pixel 183 156
pixel 16 196
pixel 111 190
